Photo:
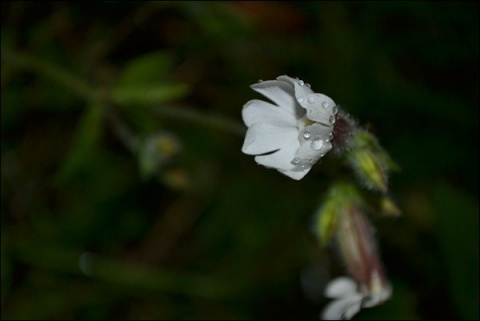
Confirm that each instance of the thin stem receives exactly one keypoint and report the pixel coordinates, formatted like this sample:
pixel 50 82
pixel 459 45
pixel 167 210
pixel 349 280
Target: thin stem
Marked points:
pixel 204 119
pixel 129 275
pixel 121 130
pixel 52 71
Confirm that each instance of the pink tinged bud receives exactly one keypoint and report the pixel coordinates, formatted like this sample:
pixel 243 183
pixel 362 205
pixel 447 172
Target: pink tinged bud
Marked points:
pixel 367 285
pixel 359 251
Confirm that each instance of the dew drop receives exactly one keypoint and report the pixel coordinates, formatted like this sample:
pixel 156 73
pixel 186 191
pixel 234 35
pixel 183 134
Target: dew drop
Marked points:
pixel 308 85
pixel 300 100
pixel 260 80
pixel 335 109
pixel 325 104
pixel 295 161
pixel 311 99
pixel 307 134
pixel 317 144
pixel 331 120
pixel 301 83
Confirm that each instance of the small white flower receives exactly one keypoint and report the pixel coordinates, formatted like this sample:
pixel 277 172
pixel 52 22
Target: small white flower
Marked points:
pixel 349 298
pixel 294 132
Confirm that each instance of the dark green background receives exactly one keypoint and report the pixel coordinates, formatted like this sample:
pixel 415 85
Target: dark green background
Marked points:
pixel 211 235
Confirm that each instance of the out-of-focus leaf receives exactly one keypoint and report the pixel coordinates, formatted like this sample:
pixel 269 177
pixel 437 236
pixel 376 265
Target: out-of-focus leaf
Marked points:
pixel 145 81
pixel 147 94
pixel 132 276
pixel 147 69
pixel 88 134
pixel 458 237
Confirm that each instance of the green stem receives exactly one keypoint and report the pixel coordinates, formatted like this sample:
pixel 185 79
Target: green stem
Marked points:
pixel 207 120
pixel 129 275
pixel 121 130
pixel 61 76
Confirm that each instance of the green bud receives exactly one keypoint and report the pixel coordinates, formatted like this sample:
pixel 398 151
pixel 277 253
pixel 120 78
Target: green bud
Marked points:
pixel 388 207
pixel 369 169
pixel 339 197
pixel 370 161
pixel 326 224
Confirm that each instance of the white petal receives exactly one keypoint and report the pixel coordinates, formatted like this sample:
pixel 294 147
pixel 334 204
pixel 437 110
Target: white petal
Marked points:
pixel 316 130
pixel 310 155
pixel 297 175
pixel 261 111
pixel 376 298
pixel 319 107
pixel 342 309
pixel 350 311
pixel 315 145
pixel 300 88
pixel 341 287
pixel 263 138
pixel 282 94
pixel 281 159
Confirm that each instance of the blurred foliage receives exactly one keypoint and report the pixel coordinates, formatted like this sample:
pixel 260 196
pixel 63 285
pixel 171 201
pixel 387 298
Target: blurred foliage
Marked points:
pixel 93 229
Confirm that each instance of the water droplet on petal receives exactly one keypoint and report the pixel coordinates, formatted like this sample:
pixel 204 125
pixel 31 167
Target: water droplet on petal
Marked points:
pixel 325 104
pixel 306 134
pixel 260 80
pixel 317 144
pixel 335 109
pixel 331 120
pixel 295 161
pixel 300 100
pixel 311 99
pixel 301 83
pixel 330 136
pixel 308 85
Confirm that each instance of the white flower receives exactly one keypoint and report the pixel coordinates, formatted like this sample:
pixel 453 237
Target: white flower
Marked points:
pixel 350 298
pixel 294 132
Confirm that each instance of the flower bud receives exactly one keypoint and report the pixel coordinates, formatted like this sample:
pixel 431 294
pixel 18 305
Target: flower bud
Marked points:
pixel 358 249
pixel 370 162
pixel 339 197
pixel 156 151
pixel 388 207
pixel 367 285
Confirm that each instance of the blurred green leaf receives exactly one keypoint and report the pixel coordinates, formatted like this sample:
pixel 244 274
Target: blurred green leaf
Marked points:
pixel 87 137
pixel 147 94
pixel 131 276
pixel 147 69
pixel 145 80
